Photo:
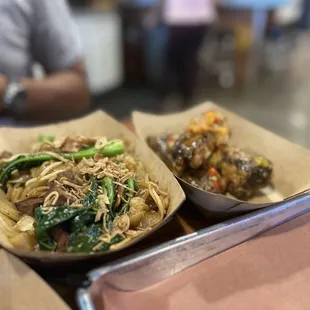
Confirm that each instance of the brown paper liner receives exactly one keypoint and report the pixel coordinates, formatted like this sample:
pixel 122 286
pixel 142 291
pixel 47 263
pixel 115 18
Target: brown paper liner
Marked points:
pixel 290 161
pixel 18 140
pixel 22 289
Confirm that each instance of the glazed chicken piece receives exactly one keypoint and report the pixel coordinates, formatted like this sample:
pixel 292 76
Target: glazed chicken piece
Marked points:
pixel 191 151
pixel 182 152
pixel 244 173
pixel 209 180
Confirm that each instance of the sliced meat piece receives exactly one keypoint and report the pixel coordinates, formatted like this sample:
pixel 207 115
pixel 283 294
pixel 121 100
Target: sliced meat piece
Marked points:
pixel 61 236
pixel 5 155
pixel 28 206
pixel 70 176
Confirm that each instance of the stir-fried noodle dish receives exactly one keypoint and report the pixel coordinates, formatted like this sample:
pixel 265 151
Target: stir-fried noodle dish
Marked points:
pixel 77 194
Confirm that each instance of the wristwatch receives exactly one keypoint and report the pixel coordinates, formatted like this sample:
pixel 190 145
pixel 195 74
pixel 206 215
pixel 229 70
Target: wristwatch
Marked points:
pixel 14 98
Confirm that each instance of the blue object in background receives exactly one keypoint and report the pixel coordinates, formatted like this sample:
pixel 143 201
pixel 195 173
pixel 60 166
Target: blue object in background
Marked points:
pixel 144 3
pixel 304 22
pixel 253 4
pixel 156 40
pixel 249 4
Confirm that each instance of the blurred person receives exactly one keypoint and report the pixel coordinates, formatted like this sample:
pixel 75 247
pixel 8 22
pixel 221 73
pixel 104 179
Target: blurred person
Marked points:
pixel 188 22
pixel 304 22
pixel 42 32
pixel 288 15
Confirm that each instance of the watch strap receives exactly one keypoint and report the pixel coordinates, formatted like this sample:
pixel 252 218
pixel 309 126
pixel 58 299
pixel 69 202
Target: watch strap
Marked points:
pixel 14 98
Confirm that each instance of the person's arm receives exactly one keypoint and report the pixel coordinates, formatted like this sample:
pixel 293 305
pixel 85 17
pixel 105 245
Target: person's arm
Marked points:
pixel 59 95
pixel 55 45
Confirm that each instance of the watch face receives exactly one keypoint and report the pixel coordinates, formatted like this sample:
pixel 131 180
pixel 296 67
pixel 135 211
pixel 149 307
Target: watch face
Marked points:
pixel 19 103
pixel 15 98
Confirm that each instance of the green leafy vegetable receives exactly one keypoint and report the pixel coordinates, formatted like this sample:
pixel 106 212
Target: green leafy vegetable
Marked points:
pixel 57 216
pixel 109 189
pixel 45 221
pixel 129 193
pixel 45 240
pixel 114 240
pixel 88 238
pixel 90 199
pixel 22 162
pixel 113 148
pixel 82 220
pixel 85 240
pixel 43 138
pixel 87 216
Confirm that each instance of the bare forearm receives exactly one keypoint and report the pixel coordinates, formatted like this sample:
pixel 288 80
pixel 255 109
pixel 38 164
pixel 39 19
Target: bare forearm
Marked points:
pixel 57 96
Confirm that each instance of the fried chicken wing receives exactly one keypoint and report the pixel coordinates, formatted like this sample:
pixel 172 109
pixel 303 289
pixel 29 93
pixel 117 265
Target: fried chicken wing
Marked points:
pixel 191 151
pixel 209 180
pixel 245 173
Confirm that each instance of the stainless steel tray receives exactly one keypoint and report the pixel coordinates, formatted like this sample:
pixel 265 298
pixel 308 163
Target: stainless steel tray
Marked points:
pixel 147 268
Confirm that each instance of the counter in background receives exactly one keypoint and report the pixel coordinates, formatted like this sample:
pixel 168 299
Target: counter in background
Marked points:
pixel 101 35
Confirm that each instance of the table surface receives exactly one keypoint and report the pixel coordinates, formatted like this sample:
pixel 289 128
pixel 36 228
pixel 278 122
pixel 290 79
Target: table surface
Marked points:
pixel 65 282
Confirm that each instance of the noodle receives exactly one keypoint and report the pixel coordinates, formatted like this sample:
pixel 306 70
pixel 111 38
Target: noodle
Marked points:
pixel 65 182
pixel 49 168
pixel 16 193
pixel 48 177
pixel 32 189
pixel 124 186
pixel 120 244
pixel 158 202
pixel 37 192
pixel 57 156
pixel 7 160
pixel 101 142
pixel 51 199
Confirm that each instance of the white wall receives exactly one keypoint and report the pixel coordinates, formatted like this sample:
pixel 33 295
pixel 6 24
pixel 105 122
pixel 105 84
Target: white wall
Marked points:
pixel 101 37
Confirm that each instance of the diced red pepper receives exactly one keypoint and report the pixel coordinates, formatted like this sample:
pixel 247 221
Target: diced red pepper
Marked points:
pixel 216 185
pixel 212 172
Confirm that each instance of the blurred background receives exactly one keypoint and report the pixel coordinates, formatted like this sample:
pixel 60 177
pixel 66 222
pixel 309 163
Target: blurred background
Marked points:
pixel 254 59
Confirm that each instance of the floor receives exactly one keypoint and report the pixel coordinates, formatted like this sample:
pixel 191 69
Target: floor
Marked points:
pixel 280 103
